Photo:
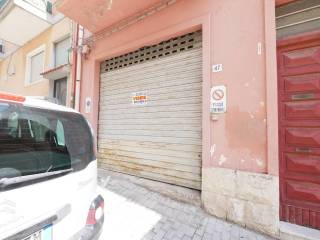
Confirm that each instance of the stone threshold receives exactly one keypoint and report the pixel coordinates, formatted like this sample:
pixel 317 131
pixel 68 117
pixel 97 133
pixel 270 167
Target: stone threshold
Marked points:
pixel 290 231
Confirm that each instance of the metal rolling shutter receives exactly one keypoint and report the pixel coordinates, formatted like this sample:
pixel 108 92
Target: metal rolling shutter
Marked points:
pixel 161 139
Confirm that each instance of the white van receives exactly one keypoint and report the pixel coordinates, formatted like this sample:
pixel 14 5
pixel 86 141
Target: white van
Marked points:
pixel 48 173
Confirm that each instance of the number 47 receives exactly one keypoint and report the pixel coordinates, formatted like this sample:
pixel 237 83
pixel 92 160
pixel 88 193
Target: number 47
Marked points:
pixel 217 68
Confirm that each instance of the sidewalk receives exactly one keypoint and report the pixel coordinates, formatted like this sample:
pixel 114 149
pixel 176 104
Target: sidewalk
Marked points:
pixel 133 212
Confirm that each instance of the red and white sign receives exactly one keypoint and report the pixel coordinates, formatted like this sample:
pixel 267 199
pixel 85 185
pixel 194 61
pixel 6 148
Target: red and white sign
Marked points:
pixel 218 101
pixel 139 98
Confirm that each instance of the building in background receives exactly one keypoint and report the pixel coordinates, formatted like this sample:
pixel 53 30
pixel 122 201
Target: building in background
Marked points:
pixel 35 51
pixel 216 95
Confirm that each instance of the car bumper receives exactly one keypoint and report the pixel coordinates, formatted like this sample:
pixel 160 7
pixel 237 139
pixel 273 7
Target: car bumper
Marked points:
pixel 91 232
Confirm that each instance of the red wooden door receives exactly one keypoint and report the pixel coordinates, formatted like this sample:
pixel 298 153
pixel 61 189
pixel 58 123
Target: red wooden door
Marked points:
pixel 299 130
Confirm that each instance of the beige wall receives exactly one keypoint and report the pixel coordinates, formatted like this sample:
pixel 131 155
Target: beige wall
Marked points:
pixel 13 68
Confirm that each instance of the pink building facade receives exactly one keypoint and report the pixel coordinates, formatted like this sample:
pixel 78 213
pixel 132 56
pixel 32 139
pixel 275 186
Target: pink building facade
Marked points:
pixel 238 153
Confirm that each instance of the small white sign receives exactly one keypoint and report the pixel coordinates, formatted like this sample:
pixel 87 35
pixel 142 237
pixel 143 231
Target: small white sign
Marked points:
pixel 217 68
pixel 139 98
pixel 259 48
pixel 218 101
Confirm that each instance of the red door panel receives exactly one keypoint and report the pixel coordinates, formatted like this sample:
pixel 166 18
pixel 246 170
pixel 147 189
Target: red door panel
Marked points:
pixel 300 163
pixel 308 110
pixel 303 191
pixel 300 216
pixel 308 137
pixel 301 83
pixel 301 57
pixel 299 131
pixel 298 61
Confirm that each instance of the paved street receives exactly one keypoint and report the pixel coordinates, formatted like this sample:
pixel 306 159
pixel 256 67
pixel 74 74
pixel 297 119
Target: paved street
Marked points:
pixel 136 213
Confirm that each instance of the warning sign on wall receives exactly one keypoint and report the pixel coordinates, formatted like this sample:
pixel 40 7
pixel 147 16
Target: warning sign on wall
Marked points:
pixel 218 102
pixel 139 98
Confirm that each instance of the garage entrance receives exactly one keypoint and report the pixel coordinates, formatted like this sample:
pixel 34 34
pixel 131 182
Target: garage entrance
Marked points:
pixel 150 112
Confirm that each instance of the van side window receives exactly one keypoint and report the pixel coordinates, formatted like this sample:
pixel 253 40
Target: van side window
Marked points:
pixel 34 140
pixel 60 134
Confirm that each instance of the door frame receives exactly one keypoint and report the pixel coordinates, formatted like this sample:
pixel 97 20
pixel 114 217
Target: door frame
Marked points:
pixel 301 40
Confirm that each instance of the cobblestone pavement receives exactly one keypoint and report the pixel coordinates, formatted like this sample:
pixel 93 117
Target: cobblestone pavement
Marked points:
pixel 133 212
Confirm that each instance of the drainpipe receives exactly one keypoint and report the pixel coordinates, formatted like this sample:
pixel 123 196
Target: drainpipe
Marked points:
pixel 74 62
pixel 78 69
